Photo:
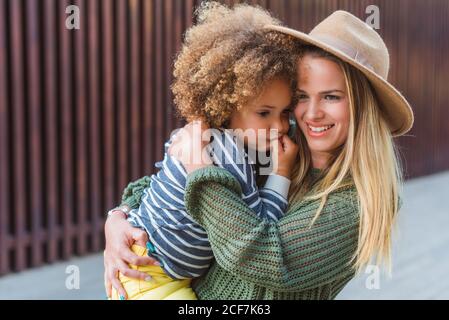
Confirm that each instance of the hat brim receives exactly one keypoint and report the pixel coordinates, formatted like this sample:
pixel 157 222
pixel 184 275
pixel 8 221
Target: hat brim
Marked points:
pixel 395 107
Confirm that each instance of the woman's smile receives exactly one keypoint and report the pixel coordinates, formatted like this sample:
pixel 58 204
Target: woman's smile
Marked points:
pixel 317 131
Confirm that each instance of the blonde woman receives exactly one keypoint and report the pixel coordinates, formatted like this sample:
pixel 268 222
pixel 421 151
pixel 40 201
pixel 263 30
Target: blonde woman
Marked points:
pixel 344 194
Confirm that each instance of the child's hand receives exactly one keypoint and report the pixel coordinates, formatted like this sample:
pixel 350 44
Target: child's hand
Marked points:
pixel 287 152
pixel 189 146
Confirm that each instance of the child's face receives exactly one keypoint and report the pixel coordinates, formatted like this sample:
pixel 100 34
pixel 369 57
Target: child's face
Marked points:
pixel 266 117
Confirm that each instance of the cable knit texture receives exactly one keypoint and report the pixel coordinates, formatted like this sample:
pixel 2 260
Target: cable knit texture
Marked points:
pixel 261 259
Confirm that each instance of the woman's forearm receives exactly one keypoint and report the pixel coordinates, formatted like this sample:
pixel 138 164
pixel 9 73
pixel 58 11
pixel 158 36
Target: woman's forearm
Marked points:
pixel 285 256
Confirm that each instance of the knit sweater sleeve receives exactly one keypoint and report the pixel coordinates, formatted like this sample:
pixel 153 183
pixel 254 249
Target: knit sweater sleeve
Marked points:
pixel 133 192
pixel 285 256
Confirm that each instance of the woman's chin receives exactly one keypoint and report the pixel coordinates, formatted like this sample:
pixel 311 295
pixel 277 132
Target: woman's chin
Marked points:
pixel 320 146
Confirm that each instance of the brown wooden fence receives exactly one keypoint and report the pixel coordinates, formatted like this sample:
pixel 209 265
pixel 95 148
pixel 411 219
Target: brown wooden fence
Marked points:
pixel 83 112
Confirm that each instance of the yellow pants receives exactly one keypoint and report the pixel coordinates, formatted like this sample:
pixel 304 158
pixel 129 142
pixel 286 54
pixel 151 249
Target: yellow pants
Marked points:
pixel 161 287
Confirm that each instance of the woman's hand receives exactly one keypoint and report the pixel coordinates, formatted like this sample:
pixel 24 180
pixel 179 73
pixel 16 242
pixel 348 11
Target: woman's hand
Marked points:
pixel 287 152
pixel 120 236
pixel 189 146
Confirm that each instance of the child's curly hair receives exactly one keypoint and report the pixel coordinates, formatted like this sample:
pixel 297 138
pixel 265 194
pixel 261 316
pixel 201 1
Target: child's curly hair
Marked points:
pixel 227 59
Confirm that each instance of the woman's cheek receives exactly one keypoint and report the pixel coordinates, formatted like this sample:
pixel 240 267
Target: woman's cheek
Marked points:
pixel 343 117
pixel 343 111
pixel 299 110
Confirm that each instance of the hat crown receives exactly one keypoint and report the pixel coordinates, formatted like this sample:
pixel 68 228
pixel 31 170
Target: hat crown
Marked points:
pixel 356 39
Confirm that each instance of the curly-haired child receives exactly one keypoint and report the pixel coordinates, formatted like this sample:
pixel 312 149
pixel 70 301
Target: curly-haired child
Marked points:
pixel 231 74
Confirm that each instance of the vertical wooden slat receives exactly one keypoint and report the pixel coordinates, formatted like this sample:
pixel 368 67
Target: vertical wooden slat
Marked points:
pixel 123 123
pixel 169 55
pixel 179 27
pixel 51 128
pixel 108 103
pixel 159 81
pixel 441 70
pixel 135 79
pixel 401 74
pixel 442 97
pixel 36 110
pixel 67 116
pixel 148 83
pixel 419 75
pixel 435 26
pixel 261 3
pixel 95 167
pixel 292 14
pixel 5 165
pixel 277 7
pixel 81 129
pixel 18 107
pixel 189 7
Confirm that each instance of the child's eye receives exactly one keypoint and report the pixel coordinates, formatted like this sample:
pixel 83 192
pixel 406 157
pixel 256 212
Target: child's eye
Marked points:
pixel 263 114
pixel 302 96
pixel 331 97
pixel 287 111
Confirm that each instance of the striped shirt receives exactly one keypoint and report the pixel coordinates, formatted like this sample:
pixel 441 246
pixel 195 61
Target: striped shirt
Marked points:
pixel 180 243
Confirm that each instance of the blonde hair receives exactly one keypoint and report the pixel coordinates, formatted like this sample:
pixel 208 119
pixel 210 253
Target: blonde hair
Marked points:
pixel 227 59
pixel 368 159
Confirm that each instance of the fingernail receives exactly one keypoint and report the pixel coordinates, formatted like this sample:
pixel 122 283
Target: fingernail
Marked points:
pixel 122 297
pixel 148 279
pixel 157 264
pixel 150 247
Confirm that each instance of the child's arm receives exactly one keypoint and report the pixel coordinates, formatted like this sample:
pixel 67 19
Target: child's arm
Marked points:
pixel 275 193
pixel 269 202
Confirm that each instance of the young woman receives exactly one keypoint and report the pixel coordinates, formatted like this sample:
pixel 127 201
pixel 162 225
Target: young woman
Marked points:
pixel 344 195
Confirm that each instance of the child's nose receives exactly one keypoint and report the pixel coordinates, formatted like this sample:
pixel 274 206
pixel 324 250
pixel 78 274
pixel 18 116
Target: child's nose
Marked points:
pixel 281 125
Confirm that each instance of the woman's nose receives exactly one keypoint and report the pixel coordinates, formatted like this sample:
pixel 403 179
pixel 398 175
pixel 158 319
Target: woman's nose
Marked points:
pixel 314 111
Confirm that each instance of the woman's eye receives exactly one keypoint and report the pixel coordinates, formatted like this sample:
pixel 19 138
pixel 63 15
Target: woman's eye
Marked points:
pixel 331 97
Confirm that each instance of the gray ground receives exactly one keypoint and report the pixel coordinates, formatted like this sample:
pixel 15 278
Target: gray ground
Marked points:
pixel 420 258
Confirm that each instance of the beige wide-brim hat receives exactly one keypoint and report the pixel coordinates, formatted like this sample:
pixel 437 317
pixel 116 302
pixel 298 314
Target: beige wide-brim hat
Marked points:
pixel 356 43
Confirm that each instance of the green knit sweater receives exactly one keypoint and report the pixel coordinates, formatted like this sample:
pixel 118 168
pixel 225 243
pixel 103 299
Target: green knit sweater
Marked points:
pixel 260 259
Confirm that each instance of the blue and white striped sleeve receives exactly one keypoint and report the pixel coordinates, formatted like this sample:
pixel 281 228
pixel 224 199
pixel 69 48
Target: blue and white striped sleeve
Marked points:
pixel 136 219
pixel 172 176
pixel 269 202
